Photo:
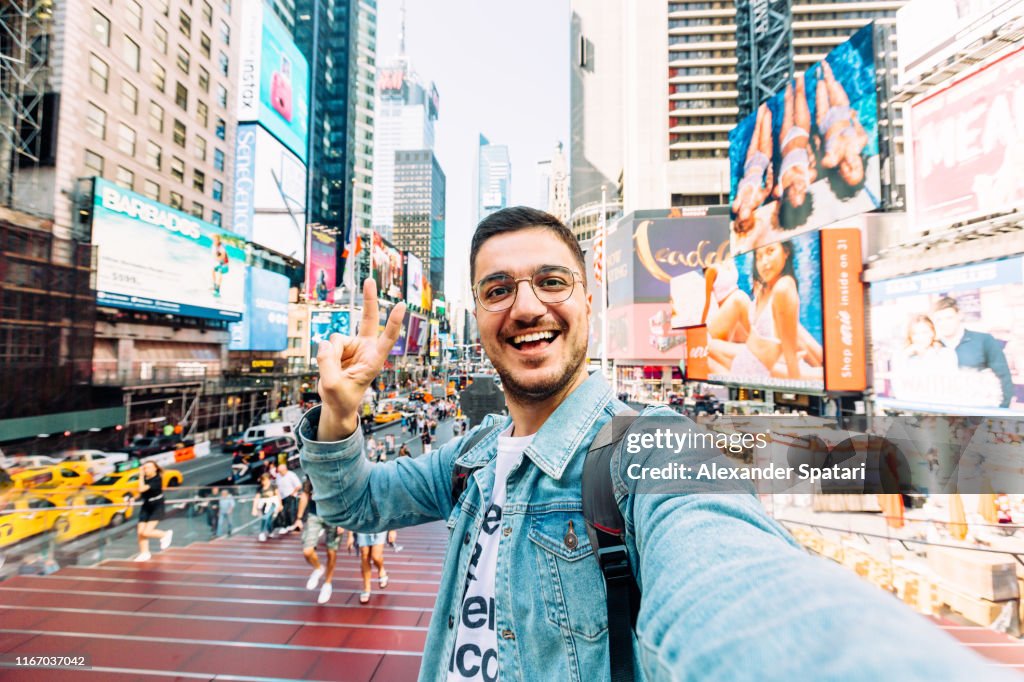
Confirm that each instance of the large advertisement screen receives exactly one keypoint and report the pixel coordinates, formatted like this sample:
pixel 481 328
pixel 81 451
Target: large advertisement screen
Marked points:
pixel 321 265
pixel 323 323
pixel 967 142
pixel 951 339
pixel 416 340
pixel 388 267
pixel 274 78
pixel 265 325
pixel 808 157
pixel 270 193
pixel 413 279
pixel 403 336
pixel 151 257
pixel 435 338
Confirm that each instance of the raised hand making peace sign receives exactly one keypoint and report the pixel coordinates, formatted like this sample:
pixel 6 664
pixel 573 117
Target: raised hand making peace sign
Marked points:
pixel 349 364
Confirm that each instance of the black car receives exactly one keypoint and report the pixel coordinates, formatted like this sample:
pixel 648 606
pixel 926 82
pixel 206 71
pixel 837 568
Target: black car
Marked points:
pixel 144 446
pixel 251 459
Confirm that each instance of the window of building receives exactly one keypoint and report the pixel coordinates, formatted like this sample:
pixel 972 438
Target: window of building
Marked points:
pixel 129 97
pixel 151 190
pixel 204 79
pixel 216 218
pixel 156 116
pixel 222 96
pixel 130 53
pixel 181 96
pixel 126 139
pixel 159 78
pixel 99 72
pixel 200 148
pixel 198 180
pixel 222 60
pixel 174 200
pixel 204 45
pixel 154 155
pixel 218 160
pixel 225 32
pixel 93 163
pixel 177 169
pixel 164 7
pixel 125 178
pixel 197 210
pixel 179 133
pixel 160 36
pixel 135 14
pixel 202 113
pixel 101 28
pixel 185 24
pixel 217 191
pixel 96 122
pixel 221 129
pixel 207 13
pixel 183 61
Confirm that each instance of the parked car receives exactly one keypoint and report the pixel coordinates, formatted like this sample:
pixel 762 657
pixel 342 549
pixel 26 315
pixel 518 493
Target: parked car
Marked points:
pixel 27 461
pixel 144 446
pixel 100 463
pixel 64 474
pixel 270 430
pixel 125 485
pixel 24 516
pixel 252 458
pixel 93 511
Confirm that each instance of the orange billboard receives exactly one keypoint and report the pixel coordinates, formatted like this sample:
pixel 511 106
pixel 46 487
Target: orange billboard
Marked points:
pixel 843 310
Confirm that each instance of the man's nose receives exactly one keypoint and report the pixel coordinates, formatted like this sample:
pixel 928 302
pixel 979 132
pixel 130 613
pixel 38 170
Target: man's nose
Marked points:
pixel 527 306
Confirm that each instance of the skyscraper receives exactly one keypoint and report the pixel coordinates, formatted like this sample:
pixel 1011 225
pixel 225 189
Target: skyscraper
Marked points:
pixel 494 177
pixel 419 211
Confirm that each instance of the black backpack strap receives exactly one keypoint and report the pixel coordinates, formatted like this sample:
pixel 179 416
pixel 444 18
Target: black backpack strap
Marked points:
pixel 607 531
pixel 461 474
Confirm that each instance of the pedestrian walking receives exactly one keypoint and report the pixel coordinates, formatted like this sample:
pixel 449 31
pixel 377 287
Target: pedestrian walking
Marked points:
pixel 371 549
pixel 225 509
pixel 389 445
pixel 266 506
pixel 425 439
pixel 151 492
pixel 288 486
pixel 371 449
pixel 313 526
pixel 404 451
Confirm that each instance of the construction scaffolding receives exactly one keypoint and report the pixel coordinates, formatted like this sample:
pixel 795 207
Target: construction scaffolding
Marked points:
pixel 764 50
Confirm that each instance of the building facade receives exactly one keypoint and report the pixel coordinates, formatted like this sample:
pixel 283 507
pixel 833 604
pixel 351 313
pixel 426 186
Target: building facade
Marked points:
pixel 419 211
pixel 494 178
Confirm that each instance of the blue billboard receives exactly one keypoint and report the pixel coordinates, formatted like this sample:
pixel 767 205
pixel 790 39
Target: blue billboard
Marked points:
pixel 154 258
pixel 274 83
pixel 265 325
pixel 323 323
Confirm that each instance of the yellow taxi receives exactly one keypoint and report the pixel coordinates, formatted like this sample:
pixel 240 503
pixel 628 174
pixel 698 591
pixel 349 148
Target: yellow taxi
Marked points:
pixel 390 411
pixel 124 485
pixel 65 474
pixel 23 516
pixel 86 511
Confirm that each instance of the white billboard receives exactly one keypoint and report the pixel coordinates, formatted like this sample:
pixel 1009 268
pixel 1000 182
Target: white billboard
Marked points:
pixel 928 32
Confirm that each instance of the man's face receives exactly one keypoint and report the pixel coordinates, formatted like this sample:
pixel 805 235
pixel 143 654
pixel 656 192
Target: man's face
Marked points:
pixel 533 369
pixel 947 322
pixel 282 469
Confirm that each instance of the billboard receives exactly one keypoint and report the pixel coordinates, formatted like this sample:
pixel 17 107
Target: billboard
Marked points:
pixel 642 331
pixel 951 340
pixel 321 265
pixel 413 279
pixel 435 338
pixel 403 336
pixel 270 193
pixel 808 156
pixel 151 257
pixel 323 323
pixel 265 324
pixel 967 141
pixel 386 262
pixel 929 32
pixel 416 340
pixel 274 78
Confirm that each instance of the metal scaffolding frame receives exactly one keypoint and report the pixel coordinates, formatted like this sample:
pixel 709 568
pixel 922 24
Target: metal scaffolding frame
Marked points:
pixel 764 51
pixel 26 30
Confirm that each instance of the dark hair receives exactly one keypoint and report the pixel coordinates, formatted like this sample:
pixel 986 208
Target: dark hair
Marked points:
pixel 787 268
pixel 840 187
pixel 159 471
pixel 792 217
pixel 517 218
pixel 947 302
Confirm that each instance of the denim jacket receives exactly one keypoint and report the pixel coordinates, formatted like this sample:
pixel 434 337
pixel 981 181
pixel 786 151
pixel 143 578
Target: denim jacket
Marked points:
pixel 727 593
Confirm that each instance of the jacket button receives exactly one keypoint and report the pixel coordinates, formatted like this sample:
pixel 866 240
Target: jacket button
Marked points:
pixel 507 634
pixel 451 622
pixel 506 531
pixel 465 539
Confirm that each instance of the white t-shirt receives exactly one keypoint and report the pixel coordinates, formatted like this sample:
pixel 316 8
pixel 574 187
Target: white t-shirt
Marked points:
pixel 288 484
pixel 475 656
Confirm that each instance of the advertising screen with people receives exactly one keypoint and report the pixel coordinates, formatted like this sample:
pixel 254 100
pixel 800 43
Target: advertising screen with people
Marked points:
pixel 154 258
pixel 413 279
pixel 951 339
pixel 321 266
pixel 809 155
pixel 323 323
pixel 388 268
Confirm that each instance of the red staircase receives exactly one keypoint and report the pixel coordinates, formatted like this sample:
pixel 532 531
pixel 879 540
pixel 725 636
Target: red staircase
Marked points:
pixel 230 608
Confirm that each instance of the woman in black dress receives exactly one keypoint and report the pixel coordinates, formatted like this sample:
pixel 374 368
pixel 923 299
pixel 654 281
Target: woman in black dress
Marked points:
pixel 151 492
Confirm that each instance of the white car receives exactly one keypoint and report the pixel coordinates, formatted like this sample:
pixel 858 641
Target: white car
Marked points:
pixel 27 462
pixel 100 463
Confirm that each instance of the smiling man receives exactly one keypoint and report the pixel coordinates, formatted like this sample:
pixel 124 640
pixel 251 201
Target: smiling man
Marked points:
pixel 726 593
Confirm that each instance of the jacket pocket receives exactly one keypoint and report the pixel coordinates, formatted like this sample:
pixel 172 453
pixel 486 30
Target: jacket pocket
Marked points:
pixel 573 589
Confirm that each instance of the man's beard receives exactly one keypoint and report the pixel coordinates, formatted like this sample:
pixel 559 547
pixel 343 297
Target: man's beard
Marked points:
pixel 521 393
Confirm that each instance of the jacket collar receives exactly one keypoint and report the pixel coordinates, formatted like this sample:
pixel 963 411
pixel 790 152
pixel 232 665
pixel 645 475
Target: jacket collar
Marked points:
pixel 558 439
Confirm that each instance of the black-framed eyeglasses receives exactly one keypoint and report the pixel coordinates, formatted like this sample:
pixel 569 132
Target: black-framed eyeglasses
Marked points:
pixel 550 284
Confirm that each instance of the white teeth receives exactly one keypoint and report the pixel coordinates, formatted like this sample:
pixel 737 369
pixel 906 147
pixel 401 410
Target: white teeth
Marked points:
pixel 536 336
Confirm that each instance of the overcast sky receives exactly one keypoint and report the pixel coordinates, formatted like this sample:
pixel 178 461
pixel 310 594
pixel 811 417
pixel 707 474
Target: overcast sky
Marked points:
pixel 501 69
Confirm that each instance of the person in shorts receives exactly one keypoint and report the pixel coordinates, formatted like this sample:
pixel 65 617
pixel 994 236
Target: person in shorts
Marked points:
pixel 371 548
pixel 312 526
pixel 151 492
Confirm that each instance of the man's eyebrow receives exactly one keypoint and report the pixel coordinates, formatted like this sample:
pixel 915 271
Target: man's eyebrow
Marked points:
pixel 539 268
